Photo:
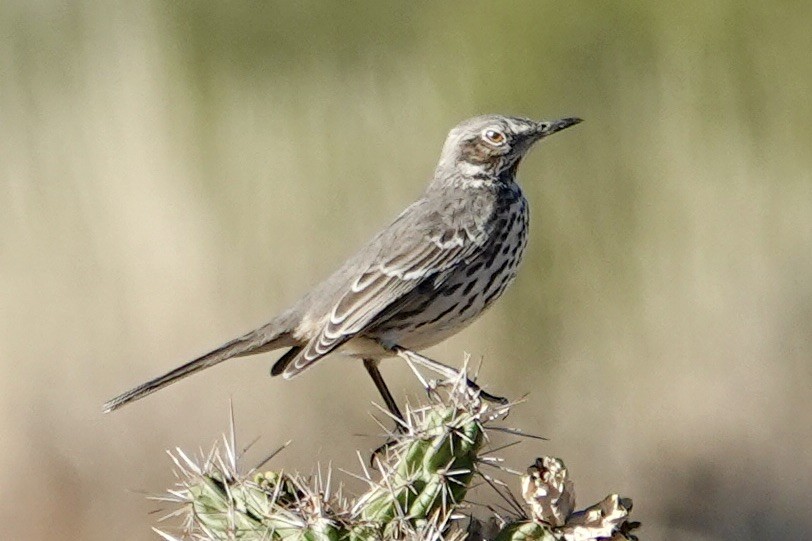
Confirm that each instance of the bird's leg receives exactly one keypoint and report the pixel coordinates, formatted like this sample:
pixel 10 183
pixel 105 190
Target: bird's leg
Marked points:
pixel 372 368
pixel 445 371
pixel 400 423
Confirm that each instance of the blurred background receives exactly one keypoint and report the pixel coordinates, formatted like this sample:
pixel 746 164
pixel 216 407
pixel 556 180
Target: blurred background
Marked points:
pixel 173 174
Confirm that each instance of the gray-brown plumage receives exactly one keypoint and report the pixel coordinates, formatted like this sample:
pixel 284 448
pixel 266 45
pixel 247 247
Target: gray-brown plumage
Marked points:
pixel 426 276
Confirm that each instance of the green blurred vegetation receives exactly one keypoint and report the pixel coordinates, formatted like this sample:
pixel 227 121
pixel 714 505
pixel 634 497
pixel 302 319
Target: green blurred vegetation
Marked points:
pixel 173 173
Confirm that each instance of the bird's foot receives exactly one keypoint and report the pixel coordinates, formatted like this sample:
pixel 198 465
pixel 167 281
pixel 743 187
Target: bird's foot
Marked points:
pixel 380 453
pixel 488 397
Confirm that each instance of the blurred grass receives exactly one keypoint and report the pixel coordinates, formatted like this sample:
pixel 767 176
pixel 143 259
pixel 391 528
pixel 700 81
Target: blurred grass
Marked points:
pixel 172 174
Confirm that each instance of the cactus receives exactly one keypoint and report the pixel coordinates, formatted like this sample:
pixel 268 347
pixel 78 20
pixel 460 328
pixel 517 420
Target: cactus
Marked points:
pixel 418 492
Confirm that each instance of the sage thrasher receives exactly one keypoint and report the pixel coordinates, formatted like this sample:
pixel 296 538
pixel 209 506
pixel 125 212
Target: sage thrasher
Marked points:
pixel 437 267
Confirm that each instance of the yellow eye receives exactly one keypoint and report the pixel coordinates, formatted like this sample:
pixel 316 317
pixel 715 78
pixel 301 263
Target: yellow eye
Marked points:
pixel 494 137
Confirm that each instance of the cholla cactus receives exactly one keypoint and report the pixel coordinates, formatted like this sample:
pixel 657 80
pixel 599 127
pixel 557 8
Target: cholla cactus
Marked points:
pixel 418 492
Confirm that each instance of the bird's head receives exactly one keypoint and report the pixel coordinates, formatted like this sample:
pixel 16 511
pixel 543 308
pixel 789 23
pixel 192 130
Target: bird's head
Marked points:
pixel 490 145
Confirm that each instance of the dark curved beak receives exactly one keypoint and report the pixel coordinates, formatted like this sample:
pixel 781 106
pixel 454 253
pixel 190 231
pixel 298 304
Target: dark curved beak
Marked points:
pixel 549 127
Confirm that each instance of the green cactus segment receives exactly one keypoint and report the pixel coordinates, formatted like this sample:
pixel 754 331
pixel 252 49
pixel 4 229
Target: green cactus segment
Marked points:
pixel 266 508
pixel 525 531
pixel 430 473
pixel 211 505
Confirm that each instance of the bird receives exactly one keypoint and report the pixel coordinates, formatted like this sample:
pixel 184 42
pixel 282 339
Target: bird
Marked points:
pixel 437 267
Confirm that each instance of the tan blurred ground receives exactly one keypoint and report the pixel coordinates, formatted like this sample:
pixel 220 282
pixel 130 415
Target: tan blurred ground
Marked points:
pixel 171 174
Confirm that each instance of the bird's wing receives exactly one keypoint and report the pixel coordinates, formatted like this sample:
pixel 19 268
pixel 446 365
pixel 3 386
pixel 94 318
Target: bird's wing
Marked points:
pixel 404 262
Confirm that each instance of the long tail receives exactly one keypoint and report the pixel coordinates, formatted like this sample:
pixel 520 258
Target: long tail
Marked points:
pixel 265 338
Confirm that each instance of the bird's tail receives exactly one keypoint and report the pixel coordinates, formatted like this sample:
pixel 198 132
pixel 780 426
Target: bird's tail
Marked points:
pixel 265 338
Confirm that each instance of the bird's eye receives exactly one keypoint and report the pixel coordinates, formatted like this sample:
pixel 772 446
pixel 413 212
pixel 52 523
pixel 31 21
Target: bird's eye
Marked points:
pixel 494 137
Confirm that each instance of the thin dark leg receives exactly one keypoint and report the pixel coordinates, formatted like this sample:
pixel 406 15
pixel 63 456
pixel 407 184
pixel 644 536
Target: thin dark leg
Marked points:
pixel 372 368
pixel 445 371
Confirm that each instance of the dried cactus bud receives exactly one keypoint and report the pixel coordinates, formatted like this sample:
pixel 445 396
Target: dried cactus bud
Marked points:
pixel 602 520
pixel 548 491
